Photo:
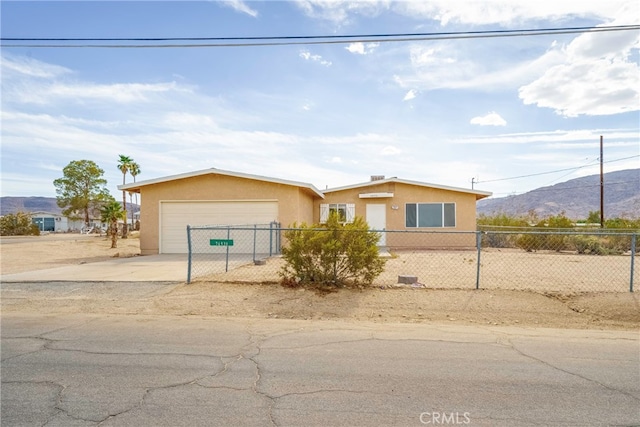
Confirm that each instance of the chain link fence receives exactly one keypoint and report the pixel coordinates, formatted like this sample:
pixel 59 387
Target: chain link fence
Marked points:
pixel 225 248
pixel 541 261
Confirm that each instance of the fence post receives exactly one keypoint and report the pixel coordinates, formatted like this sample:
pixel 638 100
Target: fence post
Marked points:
pixel 271 238
pixel 226 266
pixel 478 246
pixel 189 257
pixel 633 258
pixel 255 230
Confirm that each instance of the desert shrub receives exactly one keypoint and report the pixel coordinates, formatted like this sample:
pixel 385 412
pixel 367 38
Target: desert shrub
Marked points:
pixel 623 223
pixel 619 243
pixel 18 224
pixel 530 241
pixel 556 242
pixel 333 255
pixel 546 239
pixel 500 222
pixel 588 245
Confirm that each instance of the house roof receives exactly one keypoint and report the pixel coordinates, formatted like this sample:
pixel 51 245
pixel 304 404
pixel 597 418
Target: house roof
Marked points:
pixel 135 187
pixel 478 193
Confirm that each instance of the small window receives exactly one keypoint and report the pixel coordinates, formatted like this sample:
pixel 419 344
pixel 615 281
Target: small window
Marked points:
pixel 346 211
pixel 430 215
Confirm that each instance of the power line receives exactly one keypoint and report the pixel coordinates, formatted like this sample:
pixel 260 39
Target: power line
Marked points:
pixel 550 172
pixel 304 40
pixel 345 36
pixel 570 172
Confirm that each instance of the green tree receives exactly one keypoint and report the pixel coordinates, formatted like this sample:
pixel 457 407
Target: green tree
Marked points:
pixel 18 224
pixel 81 191
pixel 124 165
pixel 134 170
pixel 111 213
pixel 334 255
pixel 594 217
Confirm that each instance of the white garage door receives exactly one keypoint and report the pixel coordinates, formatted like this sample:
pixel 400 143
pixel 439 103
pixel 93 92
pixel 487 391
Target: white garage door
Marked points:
pixel 175 216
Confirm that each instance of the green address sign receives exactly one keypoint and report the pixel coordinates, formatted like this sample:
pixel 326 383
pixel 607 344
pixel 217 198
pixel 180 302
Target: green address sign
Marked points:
pixel 220 242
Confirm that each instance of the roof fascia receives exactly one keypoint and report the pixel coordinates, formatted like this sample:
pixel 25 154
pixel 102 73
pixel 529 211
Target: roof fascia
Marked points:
pixel 479 193
pixel 135 187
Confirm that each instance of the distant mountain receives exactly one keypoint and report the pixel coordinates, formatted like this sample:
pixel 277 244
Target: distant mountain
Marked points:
pixel 11 205
pixel 576 198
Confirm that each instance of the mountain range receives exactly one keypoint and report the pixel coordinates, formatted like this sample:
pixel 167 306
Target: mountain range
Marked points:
pixel 574 198
pixel 11 205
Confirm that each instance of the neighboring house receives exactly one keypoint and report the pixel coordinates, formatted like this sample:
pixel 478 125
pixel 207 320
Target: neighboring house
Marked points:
pixel 58 223
pixel 47 221
pixel 219 197
pixel 52 222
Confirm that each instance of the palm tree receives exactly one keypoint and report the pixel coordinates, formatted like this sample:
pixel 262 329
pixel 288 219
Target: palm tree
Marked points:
pixel 124 163
pixel 111 212
pixel 134 170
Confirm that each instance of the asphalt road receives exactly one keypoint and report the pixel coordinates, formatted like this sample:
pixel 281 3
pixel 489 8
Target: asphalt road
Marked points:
pixel 182 371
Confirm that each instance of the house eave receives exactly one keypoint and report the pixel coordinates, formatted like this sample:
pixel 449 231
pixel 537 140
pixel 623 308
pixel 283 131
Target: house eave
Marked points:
pixel 478 193
pixel 135 187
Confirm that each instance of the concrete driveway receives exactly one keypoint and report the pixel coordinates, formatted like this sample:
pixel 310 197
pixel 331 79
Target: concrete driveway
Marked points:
pixel 162 268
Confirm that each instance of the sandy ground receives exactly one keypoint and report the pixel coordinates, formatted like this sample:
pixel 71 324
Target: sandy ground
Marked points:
pixel 29 253
pixel 582 310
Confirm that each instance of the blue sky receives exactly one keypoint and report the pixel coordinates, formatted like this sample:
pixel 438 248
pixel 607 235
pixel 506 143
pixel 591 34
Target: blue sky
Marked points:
pixel 439 111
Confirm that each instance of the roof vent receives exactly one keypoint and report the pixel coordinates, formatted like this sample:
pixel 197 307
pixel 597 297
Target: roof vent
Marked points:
pixel 377 177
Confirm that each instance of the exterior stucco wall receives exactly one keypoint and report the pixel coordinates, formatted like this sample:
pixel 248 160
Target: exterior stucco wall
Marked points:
pixel 395 213
pixel 294 203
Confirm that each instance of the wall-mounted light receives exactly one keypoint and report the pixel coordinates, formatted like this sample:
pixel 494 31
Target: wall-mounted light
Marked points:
pixel 394 207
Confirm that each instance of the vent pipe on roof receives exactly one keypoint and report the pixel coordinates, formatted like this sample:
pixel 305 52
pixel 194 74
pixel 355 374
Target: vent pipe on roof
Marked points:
pixel 377 177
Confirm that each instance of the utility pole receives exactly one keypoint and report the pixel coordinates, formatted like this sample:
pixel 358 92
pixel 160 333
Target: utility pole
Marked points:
pixel 601 186
pixel 473 182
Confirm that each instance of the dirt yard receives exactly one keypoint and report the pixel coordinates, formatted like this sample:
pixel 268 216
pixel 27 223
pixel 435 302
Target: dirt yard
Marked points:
pixel 594 310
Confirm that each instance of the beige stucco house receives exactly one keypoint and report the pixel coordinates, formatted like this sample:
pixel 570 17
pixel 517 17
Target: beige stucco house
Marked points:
pixel 414 213
pixel 215 196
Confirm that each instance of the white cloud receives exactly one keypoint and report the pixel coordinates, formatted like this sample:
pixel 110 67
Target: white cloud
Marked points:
pixel 410 95
pixel 362 48
pixel 439 67
pixel 28 67
pixel 503 12
pixel 240 6
pixel 557 136
pixel 490 119
pixel 339 11
pixel 595 78
pixel 305 54
pixel 27 81
pixel 390 150
pixel 586 88
pixel 119 93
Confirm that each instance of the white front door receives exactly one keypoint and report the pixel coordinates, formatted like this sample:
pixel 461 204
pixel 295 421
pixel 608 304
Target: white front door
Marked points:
pixel 377 220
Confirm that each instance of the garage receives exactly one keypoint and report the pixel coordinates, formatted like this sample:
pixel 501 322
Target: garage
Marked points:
pixel 176 215
pixel 215 197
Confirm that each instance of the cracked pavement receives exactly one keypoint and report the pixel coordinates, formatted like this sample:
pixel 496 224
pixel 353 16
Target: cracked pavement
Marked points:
pixel 118 370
